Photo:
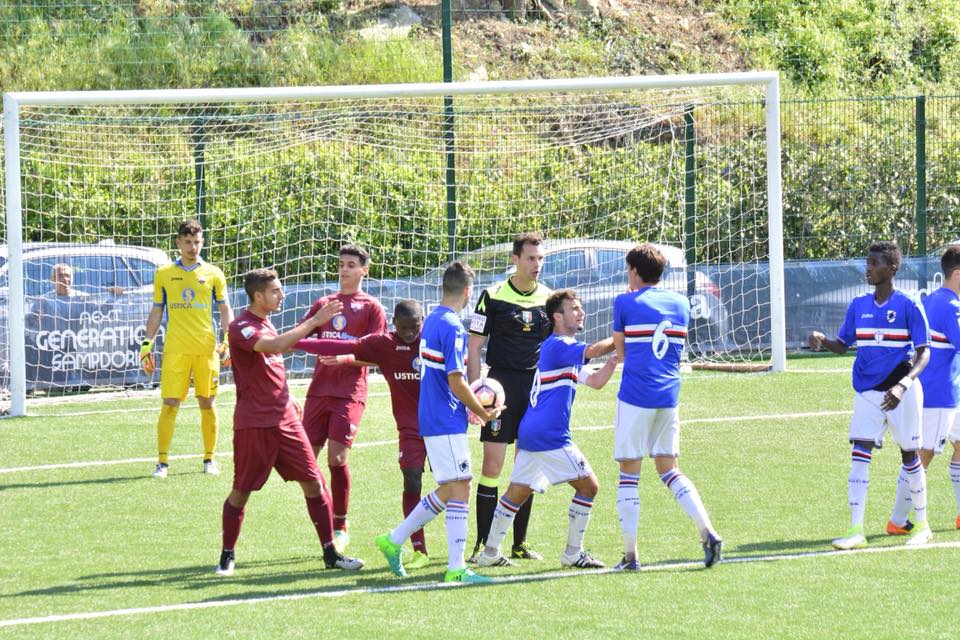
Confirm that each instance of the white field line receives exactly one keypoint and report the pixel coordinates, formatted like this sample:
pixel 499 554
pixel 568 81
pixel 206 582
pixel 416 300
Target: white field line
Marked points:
pixel 435 586
pixel 382 443
pixel 133 394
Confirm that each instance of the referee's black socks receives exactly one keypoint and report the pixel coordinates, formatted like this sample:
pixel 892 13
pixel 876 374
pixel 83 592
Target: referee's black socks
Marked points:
pixel 487 494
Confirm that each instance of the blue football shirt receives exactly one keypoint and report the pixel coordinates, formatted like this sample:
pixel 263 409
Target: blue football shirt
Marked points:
pixel 443 350
pixel 546 423
pixel 654 325
pixel 885 335
pixel 941 377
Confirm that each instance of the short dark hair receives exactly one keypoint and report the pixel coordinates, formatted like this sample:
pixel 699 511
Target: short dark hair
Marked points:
pixel 950 261
pixel 530 237
pixel 889 250
pixel 357 251
pixel 555 301
pixel 648 261
pixel 408 309
pixel 189 228
pixel 456 278
pixel 257 280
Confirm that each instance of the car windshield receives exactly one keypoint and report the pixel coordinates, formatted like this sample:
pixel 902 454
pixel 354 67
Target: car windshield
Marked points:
pixel 484 261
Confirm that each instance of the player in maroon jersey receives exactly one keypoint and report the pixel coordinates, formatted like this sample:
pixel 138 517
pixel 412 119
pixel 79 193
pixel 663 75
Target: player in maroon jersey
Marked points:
pixel 267 432
pixel 396 353
pixel 336 397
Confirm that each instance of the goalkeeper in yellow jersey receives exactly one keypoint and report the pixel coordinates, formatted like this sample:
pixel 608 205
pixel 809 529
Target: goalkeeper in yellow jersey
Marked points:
pixel 188 289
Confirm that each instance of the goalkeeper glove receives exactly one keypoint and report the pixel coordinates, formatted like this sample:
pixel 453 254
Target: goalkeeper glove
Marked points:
pixel 147 362
pixel 224 351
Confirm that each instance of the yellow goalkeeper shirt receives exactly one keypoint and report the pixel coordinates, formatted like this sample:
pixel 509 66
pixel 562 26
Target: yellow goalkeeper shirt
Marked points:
pixel 189 295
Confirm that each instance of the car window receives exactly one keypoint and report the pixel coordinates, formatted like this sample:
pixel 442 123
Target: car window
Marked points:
pixel 144 269
pixel 93 274
pixel 133 273
pixel 37 275
pixel 562 263
pixel 611 263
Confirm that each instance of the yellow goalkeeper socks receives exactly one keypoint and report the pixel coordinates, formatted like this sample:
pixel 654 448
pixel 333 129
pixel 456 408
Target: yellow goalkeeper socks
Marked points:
pixel 208 426
pixel 168 415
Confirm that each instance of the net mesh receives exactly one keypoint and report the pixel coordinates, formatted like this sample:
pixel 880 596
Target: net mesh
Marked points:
pixel 284 185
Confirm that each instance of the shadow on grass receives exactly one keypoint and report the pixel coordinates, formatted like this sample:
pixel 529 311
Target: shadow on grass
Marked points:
pixel 253 577
pixel 784 545
pixel 72 483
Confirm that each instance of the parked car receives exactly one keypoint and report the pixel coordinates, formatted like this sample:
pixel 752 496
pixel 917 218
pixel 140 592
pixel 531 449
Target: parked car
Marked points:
pixel 596 269
pixel 96 342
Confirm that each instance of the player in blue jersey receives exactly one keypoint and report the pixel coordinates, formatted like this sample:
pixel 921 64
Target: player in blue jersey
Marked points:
pixel 545 452
pixel 941 388
pixel 890 332
pixel 445 397
pixel 649 332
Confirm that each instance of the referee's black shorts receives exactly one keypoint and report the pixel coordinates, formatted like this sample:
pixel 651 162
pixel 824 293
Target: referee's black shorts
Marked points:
pixel 516 387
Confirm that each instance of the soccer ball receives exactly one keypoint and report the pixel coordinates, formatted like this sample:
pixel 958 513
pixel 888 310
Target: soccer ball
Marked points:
pixel 489 392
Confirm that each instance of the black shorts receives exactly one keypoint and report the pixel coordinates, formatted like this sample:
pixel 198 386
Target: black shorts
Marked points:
pixel 516 387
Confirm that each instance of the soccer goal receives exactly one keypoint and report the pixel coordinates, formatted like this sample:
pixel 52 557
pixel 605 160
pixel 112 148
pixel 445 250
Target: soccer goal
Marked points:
pixel 418 174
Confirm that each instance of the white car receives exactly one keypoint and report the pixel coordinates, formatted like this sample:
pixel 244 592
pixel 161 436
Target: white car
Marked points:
pixel 100 345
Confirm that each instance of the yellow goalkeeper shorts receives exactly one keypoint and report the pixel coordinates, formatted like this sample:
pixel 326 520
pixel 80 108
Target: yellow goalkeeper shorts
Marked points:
pixel 177 370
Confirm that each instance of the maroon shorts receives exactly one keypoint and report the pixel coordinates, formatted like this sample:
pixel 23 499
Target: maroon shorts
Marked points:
pixel 258 451
pixel 413 453
pixel 334 419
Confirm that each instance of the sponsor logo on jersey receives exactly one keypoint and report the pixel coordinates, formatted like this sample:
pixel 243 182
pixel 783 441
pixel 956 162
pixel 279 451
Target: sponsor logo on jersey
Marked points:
pixel 356 306
pixel 878 337
pixel 891 315
pixel 866 315
pixel 406 375
pixel 402 347
pixel 339 322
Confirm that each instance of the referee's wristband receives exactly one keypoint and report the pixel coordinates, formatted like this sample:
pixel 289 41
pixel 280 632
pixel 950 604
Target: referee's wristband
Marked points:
pixel 905 382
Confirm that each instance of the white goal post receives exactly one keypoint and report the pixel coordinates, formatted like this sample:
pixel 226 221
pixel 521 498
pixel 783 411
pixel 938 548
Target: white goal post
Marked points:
pixel 769 233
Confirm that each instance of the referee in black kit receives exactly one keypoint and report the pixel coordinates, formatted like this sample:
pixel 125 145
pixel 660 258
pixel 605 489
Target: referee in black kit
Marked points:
pixel 512 315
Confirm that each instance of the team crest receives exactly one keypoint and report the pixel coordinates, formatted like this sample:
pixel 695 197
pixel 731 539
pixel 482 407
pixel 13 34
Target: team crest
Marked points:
pixel 464 466
pixel 416 364
pixel 188 295
pixel 891 315
pixel 339 322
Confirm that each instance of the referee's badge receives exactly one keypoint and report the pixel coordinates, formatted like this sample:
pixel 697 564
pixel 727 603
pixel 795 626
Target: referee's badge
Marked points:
pixel 527 316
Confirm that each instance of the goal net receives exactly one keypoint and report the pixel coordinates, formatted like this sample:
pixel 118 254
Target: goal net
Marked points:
pixel 97 184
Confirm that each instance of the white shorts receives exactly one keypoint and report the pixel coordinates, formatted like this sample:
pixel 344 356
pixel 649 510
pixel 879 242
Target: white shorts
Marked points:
pixel 640 432
pixel 449 457
pixel 938 425
pixel 870 422
pixel 539 469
